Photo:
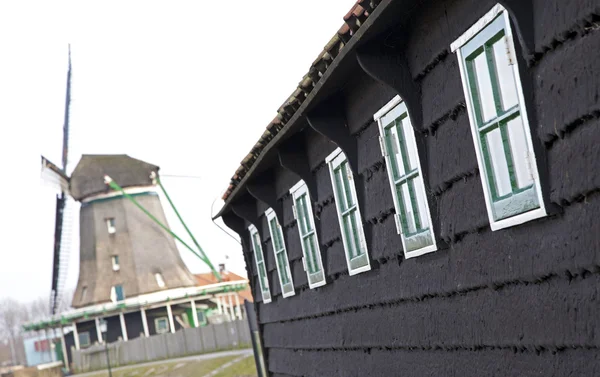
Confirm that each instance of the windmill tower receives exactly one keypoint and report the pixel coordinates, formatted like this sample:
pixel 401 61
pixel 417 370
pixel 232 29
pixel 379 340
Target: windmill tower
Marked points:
pixel 124 252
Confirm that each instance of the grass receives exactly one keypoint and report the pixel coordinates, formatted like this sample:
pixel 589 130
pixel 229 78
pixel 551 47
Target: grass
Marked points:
pixel 187 368
pixel 244 368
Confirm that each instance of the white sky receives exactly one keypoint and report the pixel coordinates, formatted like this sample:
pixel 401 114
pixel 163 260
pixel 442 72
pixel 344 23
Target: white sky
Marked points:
pixel 186 85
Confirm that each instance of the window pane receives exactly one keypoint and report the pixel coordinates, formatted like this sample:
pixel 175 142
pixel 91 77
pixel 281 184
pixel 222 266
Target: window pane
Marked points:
pixel 518 147
pixel 313 252
pixel 303 213
pixel 281 265
pixel 277 239
pixel 409 214
pixel 391 139
pixel 348 230
pixel 496 154
pixel 411 143
pixel 308 254
pixel 339 189
pixel 257 248
pixel 355 238
pixel 506 78
pixel 484 87
pixel 347 188
pixel 421 202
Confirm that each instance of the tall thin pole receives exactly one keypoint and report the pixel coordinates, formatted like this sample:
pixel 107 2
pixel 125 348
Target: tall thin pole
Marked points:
pixel 107 359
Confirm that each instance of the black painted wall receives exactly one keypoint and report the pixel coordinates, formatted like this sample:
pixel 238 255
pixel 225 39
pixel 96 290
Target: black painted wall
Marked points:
pixel 523 301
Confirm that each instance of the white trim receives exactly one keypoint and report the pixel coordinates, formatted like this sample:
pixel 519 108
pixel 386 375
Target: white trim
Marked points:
pixel 49 365
pixel 335 159
pixel 194 314
pixel 128 190
pixel 270 215
pixel 123 327
pixel 145 322
pixel 477 27
pixel 98 332
pixel 63 344
pixel 296 191
pixel 529 215
pixel 252 229
pixel 393 104
pixel 297 186
pixel 387 107
pixel 238 308
pixel 333 155
pixel 231 309
pixel 171 322
pixel 116 265
pixel 76 336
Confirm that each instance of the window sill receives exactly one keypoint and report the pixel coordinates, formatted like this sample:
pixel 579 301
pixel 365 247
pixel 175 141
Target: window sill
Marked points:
pixel 518 219
pixel 419 252
pixel 359 270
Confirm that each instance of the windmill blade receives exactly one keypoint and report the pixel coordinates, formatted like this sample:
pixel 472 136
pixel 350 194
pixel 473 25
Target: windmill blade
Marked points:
pixel 54 176
pixel 58 223
pixel 62 235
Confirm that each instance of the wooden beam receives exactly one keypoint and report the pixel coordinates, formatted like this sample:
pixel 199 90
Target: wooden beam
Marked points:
pixel 262 188
pixel 329 119
pixel 388 65
pixel 293 157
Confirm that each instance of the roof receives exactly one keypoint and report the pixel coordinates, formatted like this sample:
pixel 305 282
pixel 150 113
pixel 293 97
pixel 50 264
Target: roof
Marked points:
pixel 353 20
pixel 226 276
pixel 88 177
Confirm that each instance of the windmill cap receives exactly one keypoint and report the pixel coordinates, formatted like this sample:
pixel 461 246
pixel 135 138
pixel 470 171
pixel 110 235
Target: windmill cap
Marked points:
pixel 88 178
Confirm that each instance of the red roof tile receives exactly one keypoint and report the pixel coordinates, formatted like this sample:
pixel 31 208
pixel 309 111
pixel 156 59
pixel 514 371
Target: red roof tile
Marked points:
pixel 353 20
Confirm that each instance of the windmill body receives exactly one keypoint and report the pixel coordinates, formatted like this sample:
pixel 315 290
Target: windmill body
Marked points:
pixel 123 253
pixel 131 275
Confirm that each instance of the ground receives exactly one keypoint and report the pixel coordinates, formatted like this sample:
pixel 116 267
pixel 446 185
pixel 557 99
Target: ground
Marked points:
pixel 220 364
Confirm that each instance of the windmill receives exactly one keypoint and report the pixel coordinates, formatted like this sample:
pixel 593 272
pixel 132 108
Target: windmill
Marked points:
pixel 57 177
pixel 91 184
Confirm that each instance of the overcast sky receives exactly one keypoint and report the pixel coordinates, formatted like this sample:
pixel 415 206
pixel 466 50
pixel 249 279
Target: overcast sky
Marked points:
pixel 186 85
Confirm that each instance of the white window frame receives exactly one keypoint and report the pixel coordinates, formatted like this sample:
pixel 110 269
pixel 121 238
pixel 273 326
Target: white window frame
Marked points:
pixel 257 248
pixel 110 225
pixel 160 280
pixel 156 320
pixel 316 279
pixel 116 266
pixel 287 289
pixel 334 160
pixel 84 335
pixel 398 106
pixel 481 25
pixel 84 293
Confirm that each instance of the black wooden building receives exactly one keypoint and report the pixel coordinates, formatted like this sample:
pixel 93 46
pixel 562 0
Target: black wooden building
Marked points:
pixel 426 202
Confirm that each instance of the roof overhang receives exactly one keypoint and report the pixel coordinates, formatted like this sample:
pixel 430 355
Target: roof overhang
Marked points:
pixel 150 300
pixel 387 14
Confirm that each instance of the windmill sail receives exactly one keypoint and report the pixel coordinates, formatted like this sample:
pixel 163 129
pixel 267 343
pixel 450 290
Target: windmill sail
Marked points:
pixel 62 234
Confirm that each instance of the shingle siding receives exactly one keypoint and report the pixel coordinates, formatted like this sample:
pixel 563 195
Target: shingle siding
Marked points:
pixel 523 301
